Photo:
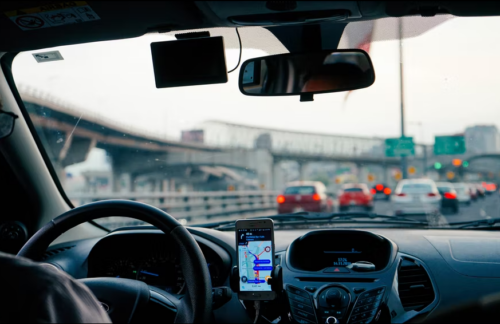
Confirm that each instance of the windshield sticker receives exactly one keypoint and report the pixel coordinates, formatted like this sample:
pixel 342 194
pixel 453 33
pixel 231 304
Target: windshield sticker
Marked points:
pixel 48 56
pixel 53 15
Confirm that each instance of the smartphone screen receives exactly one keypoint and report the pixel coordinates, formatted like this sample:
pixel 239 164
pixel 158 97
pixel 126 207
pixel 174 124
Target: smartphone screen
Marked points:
pixel 256 256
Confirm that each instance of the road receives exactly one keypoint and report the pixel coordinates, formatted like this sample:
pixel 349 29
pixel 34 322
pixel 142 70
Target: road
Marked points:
pixel 486 208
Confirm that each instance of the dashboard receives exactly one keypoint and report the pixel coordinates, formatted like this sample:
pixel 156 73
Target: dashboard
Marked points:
pixel 411 274
pixel 151 258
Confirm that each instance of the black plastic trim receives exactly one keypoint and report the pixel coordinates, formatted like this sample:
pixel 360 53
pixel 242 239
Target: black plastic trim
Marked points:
pixel 6 64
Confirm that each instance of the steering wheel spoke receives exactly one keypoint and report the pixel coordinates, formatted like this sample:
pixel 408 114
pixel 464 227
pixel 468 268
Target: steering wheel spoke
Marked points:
pixel 172 302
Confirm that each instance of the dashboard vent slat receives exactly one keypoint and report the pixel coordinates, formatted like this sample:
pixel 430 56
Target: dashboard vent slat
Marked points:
pixel 414 286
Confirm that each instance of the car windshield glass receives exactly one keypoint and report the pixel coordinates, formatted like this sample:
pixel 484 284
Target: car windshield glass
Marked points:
pixel 353 190
pixel 444 189
pixel 209 153
pixel 299 191
pixel 416 188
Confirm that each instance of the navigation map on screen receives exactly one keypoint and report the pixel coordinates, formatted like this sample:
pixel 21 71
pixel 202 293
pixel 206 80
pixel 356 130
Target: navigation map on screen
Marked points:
pixel 255 258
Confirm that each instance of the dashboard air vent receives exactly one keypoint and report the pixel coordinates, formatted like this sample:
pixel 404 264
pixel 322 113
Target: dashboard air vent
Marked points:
pixel 277 259
pixel 51 253
pixel 414 285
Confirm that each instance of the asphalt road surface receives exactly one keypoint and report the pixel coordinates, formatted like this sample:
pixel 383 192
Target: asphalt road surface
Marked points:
pixel 485 208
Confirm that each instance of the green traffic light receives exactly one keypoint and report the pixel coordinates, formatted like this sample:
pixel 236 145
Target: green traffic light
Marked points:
pixel 465 164
pixel 437 165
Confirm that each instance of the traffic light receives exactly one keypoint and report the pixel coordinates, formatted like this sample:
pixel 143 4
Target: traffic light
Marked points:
pixel 437 165
pixel 465 164
pixel 457 162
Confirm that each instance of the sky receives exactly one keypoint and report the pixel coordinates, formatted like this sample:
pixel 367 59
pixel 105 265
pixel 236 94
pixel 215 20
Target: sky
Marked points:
pixel 451 80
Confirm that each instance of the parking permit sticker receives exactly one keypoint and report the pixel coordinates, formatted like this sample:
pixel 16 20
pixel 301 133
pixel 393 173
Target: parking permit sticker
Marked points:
pixel 71 12
pixel 48 56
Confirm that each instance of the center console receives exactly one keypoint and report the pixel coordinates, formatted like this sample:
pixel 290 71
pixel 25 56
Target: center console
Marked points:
pixel 338 276
pixel 331 305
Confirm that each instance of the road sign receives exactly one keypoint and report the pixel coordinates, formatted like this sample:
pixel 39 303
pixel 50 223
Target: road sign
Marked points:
pixel 398 176
pixel 449 145
pixel 371 177
pixel 450 175
pixel 412 170
pixel 402 146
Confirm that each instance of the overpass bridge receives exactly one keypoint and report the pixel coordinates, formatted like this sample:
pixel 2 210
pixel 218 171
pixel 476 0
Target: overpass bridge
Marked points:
pixel 230 151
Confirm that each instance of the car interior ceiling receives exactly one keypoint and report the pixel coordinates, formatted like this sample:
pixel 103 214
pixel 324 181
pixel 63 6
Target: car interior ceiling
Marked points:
pixel 32 194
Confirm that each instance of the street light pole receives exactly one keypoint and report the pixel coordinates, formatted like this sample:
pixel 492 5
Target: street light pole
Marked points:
pixel 424 147
pixel 404 161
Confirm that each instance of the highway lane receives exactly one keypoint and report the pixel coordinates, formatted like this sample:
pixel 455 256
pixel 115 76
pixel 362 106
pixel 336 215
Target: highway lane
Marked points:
pixel 486 208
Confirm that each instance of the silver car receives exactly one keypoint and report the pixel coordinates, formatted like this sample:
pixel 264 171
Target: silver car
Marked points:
pixel 463 193
pixel 416 196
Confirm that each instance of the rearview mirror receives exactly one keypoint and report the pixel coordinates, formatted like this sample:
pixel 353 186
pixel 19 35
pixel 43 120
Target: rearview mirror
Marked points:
pixel 306 73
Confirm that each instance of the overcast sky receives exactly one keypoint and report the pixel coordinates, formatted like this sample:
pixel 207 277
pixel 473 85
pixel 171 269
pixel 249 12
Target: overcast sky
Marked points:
pixel 451 82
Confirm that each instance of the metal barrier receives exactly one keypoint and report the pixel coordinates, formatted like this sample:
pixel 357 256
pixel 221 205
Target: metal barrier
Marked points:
pixel 192 206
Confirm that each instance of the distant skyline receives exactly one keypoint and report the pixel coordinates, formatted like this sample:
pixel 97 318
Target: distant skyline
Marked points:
pixel 451 79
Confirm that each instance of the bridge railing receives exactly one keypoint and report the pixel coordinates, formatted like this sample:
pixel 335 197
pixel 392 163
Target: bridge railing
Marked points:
pixel 193 206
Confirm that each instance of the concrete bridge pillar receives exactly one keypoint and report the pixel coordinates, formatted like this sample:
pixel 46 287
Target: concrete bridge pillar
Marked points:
pixel 279 176
pixel 303 170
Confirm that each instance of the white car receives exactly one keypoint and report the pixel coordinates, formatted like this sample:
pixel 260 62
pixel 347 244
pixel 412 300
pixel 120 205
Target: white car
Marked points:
pixel 416 196
pixel 463 193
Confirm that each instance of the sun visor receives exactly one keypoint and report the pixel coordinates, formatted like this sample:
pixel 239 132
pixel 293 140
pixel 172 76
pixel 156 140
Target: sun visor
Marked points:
pixel 189 62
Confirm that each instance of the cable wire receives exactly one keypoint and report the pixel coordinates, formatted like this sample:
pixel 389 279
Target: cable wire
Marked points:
pixel 256 305
pixel 239 59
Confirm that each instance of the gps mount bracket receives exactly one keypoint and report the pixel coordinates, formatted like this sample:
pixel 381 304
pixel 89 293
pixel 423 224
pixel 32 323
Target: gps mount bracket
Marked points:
pixel 275 281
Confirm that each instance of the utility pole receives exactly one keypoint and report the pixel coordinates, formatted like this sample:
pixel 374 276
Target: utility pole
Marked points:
pixel 404 161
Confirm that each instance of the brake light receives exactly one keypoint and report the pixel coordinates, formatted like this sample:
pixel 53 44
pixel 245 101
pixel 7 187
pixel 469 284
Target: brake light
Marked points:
pixel 379 187
pixel 316 197
pixel 387 191
pixel 401 195
pixel 449 195
pixel 431 194
pixel 280 199
pixel 373 191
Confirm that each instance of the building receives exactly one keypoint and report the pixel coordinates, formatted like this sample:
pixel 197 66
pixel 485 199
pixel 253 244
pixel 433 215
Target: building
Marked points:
pixel 481 139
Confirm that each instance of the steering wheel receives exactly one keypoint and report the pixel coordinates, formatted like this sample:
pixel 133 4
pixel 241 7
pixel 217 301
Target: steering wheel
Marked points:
pixel 126 296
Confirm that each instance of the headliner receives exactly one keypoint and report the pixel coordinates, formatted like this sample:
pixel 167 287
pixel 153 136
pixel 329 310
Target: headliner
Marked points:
pixel 132 19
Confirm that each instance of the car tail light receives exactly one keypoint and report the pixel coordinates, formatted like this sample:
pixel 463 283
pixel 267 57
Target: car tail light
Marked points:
pixel 373 191
pixel 316 197
pixel 401 195
pixel 280 199
pixel 387 191
pixel 432 194
pixel 379 187
pixel 449 195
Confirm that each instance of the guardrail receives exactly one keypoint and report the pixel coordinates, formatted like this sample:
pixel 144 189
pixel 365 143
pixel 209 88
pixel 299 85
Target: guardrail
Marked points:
pixel 192 206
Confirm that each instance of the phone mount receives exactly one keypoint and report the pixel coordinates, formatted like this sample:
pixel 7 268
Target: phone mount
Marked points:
pixel 275 281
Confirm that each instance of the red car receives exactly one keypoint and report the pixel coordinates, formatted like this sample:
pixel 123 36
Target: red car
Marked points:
pixel 355 196
pixel 304 196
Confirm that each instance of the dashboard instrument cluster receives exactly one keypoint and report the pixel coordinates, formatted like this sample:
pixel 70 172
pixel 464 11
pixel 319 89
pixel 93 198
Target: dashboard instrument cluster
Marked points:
pixel 153 259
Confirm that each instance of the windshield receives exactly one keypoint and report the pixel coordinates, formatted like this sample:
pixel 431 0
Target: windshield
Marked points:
pixel 416 188
pixel 209 153
pixel 353 190
pixel 299 190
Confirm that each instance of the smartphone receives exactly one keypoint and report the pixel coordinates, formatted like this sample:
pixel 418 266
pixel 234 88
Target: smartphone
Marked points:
pixel 255 249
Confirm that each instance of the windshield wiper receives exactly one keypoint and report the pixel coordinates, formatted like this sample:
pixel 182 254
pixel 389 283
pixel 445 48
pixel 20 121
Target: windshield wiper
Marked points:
pixel 477 223
pixel 308 217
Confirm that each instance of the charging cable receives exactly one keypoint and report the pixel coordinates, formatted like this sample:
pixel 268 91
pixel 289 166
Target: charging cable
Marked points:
pixel 239 59
pixel 256 305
